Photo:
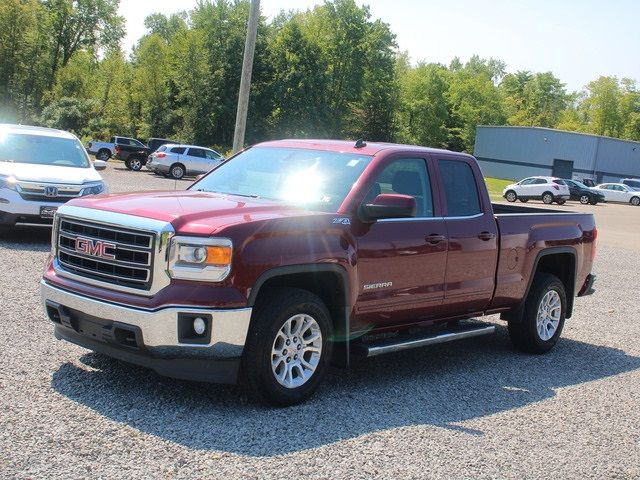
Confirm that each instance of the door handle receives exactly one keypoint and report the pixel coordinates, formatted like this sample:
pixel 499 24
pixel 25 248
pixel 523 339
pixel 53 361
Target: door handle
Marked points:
pixel 435 238
pixel 486 236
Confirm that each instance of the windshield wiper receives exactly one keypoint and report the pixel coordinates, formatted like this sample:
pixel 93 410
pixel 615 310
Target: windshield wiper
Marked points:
pixel 252 195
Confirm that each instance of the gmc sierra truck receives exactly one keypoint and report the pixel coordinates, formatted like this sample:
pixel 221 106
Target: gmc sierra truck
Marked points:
pixel 296 254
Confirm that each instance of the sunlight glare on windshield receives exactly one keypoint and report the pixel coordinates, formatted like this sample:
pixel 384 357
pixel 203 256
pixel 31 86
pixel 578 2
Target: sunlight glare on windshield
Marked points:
pixel 304 186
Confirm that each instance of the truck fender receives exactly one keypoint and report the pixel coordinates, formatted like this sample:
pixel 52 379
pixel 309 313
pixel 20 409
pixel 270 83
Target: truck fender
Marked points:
pixel 341 325
pixel 517 312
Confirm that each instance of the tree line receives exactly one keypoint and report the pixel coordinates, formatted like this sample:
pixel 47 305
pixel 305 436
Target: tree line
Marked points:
pixel 331 71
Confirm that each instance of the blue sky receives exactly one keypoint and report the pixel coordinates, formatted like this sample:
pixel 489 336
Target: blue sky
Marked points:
pixel 578 40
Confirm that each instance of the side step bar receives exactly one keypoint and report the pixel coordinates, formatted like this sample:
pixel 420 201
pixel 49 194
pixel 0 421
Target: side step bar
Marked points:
pixel 406 342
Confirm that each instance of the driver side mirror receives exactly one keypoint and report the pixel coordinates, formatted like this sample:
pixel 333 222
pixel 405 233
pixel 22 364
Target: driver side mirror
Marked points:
pixel 99 165
pixel 389 205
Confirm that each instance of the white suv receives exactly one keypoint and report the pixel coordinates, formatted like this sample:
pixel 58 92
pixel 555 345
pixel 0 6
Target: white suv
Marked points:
pixel 40 169
pixel 180 160
pixel 547 189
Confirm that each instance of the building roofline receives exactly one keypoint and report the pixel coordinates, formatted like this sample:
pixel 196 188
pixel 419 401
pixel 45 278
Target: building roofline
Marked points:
pixel 547 129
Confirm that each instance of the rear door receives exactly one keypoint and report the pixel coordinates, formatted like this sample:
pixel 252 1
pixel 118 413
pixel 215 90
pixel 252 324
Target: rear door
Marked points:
pixel 473 237
pixel 196 160
pixel 401 262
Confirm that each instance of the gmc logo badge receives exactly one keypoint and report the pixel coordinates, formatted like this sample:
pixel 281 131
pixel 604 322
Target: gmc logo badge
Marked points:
pixel 95 248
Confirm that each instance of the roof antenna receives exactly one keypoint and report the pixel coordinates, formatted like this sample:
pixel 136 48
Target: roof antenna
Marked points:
pixel 360 143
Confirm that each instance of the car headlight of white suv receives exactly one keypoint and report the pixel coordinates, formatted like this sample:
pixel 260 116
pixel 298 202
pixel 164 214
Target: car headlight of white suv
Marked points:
pixel 7 182
pixel 94 188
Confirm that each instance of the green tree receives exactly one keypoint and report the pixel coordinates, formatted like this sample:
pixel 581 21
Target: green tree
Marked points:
pixel 82 24
pixel 602 106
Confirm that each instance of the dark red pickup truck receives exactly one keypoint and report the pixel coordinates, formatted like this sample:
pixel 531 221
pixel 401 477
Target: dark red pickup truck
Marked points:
pixel 294 254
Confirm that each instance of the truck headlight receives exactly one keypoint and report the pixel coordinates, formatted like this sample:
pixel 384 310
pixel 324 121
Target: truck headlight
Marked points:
pixel 7 182
pixel 201 259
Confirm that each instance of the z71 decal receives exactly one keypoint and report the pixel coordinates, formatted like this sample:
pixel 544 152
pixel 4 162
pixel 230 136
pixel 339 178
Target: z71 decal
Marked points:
pixel 341 221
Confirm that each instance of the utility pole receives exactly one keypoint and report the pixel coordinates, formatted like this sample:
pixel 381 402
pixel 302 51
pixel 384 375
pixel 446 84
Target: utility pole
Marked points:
pixel 245 80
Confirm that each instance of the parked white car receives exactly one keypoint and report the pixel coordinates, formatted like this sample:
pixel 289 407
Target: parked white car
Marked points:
pixel 40 169
pixel 547 189
pixel 619 192
pixel 177 161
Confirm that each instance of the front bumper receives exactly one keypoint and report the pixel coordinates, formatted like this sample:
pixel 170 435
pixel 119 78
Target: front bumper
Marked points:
pixel 159 339
pixel 14 209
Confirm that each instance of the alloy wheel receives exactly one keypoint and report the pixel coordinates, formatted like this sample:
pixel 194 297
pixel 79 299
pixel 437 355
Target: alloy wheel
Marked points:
pixel 296 351
pixel 584 199
pixel 549 313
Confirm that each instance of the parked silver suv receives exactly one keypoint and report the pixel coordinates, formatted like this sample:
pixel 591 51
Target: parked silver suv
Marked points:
pixel 180 160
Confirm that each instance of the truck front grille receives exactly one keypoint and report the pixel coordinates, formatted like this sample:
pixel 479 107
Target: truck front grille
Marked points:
pixel 108 254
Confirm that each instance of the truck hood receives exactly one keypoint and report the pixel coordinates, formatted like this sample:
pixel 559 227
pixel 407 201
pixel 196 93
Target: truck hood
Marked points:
pixel 191 212
pixel 49 173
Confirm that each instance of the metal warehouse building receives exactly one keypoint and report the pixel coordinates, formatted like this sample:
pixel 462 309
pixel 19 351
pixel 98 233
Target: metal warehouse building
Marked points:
pixel 518 152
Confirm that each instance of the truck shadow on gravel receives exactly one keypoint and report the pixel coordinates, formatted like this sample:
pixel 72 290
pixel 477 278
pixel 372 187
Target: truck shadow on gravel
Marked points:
pixel 437 386
pixel 22 238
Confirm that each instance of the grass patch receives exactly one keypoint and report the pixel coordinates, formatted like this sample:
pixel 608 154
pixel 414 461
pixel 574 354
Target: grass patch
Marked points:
pixel 495 187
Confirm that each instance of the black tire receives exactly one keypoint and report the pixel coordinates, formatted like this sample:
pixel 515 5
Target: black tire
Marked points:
pixel 593 201
pixel 511 196
pixel 547 198
pixel 524 331
pixel 103 154
pixel 177 171
pixel 127 163
pixel 561 201
pixel 274 308
pixel 135 163
pixel 585 199
pixel 635 201
pixel 524 200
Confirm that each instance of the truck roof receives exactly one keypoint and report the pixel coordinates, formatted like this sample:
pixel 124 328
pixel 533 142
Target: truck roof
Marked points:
pixel 31 130
pixel 371 148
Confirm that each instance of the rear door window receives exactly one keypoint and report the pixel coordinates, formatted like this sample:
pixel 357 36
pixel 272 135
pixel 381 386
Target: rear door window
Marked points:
pixel 460 188
pixel 196 152
pixel 178 150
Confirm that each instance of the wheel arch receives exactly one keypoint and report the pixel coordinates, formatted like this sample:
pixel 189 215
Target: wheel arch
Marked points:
pixel 547 261
pixel 329 282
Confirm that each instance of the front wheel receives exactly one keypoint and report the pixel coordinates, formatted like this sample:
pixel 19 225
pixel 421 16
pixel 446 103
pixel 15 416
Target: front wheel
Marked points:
pixel 524 200
pixel 103 155
pixel 540 326
pixel 635 201
pixel 288 347
pixel 511 196
pixel 547 198
pixel 584 199
pixel 561 201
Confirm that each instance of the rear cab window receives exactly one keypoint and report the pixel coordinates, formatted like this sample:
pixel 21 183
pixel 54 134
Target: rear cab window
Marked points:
pixel 460 190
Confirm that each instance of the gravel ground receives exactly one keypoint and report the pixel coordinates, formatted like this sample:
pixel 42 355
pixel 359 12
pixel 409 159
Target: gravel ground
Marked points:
pixel 473 408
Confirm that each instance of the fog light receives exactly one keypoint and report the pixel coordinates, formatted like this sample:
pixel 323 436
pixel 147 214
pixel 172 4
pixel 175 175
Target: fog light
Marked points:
pixel 199 326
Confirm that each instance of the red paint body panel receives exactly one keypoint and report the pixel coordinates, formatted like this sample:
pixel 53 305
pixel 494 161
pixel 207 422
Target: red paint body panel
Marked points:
pixel 460 276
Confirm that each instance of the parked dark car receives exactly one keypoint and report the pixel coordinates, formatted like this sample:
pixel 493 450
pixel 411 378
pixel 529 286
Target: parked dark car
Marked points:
pixel 583 194
pixel 155 143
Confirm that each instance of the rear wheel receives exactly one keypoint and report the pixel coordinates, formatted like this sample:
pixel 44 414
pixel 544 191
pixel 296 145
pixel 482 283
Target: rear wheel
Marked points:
pixel 561 201
pixel 524 200
pixel 288 347
pixel 135 164
pixel 584 199
pixel 177 171
pixel 540 326
pixel 635 201
pixel 547 198
pixel 511 196
pixel 103 155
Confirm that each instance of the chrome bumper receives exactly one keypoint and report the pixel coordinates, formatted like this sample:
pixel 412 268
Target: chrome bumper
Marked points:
pixel 159 328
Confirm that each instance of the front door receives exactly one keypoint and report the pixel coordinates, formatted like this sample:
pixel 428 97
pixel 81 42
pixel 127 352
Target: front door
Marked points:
pixel 473 237
pixel 401 262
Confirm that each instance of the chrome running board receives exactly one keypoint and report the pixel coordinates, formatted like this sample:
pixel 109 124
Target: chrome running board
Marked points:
pixel 406 342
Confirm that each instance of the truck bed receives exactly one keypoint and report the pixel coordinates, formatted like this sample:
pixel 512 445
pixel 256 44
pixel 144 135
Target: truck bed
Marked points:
pixel 525 232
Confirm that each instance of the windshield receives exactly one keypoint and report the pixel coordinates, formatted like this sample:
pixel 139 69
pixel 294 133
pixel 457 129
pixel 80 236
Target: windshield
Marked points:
pixel 42 150
pixel 311 178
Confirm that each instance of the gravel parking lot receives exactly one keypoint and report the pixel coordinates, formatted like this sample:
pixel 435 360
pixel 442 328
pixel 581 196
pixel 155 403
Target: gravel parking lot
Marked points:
pixel 474 408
